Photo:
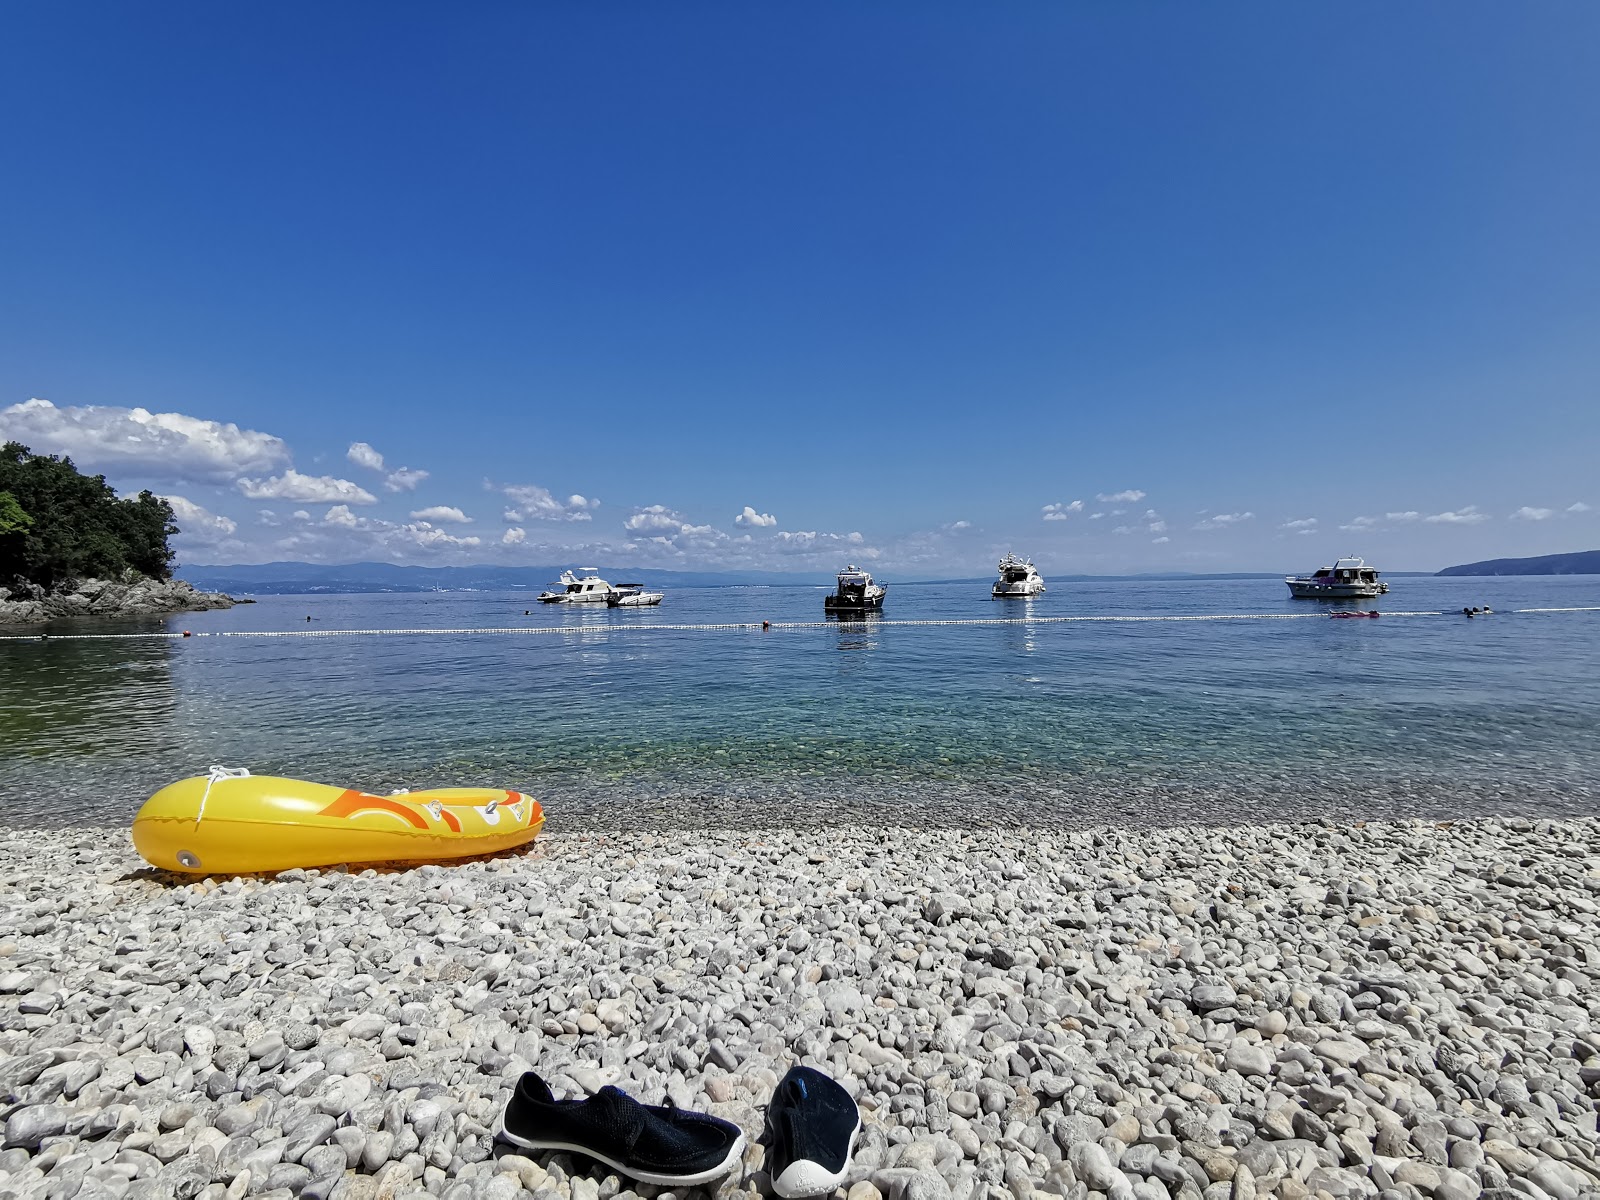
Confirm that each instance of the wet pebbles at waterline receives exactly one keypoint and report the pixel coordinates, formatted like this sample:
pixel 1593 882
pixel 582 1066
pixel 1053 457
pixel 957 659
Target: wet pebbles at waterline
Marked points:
pixel 1399 1009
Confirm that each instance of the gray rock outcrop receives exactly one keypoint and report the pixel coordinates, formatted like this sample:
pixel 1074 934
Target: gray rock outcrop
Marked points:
pixel 32 604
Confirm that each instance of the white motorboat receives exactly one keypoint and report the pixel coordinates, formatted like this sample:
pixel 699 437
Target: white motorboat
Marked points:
pixel 856 592
pixel 633 595
pixel 1018 577
pixel 588 588
pixel 1347 579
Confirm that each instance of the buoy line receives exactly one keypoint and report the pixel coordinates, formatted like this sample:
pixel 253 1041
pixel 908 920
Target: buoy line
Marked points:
pixel 756 626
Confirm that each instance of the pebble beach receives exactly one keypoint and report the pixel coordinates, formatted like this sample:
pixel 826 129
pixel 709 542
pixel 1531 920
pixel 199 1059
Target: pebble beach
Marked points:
pixel 1406 1009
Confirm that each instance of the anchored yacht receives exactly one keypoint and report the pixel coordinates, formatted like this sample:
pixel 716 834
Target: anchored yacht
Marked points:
pixel 1347 579
pixel 856 592
pixel 588 588
pixel 633 595
pixel 1018 577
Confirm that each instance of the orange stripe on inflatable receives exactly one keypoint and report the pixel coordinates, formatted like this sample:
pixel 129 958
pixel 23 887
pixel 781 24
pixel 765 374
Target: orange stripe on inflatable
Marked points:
pixel 450 820
pixel 351 802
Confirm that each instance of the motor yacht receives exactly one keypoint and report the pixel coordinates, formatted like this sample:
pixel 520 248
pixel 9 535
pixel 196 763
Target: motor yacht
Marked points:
pixel 587 588
pixel 856 593
pixel 1347 579
pixel 633 595
pixel 1018 577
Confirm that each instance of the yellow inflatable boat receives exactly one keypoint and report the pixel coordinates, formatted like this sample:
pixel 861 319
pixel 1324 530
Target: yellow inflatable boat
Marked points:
pixel 231 821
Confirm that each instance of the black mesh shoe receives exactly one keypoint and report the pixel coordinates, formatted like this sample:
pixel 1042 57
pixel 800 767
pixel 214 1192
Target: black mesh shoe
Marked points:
pixel 670 1146
pixel 811 1131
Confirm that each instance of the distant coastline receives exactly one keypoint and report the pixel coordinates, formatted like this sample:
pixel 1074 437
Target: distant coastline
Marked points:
pixel 1581 562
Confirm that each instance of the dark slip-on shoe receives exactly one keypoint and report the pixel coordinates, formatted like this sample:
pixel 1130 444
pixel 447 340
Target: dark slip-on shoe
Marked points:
pixel 812 1125
pixel 665 1145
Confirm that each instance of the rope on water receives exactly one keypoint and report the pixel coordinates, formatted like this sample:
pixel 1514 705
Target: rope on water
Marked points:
pixel 606 630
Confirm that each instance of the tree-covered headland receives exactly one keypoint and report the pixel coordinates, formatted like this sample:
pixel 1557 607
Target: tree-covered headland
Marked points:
pixel 58 524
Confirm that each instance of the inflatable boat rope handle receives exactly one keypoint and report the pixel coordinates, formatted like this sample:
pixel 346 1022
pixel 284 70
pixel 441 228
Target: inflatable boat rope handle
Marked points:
pixel 436 809
pixel 215 775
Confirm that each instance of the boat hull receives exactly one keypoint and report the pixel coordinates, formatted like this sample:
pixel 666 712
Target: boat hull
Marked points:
pixel 848 604
pixel 1022 590
pixel 1305 590
pixel 647 600
pixel 267 823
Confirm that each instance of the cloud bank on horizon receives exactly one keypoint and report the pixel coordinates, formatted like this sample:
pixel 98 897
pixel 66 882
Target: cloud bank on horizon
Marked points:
pixel 219 462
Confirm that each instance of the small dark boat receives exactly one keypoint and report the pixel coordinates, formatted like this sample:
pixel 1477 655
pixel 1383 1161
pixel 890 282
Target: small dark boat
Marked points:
pixel 855 593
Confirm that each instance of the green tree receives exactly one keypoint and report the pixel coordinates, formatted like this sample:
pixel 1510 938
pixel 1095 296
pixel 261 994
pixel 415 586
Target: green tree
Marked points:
pixel 13 519
pixel 74 525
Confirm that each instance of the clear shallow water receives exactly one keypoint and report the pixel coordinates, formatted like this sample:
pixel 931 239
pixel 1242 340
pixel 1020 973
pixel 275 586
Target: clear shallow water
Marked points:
pixel 1080 723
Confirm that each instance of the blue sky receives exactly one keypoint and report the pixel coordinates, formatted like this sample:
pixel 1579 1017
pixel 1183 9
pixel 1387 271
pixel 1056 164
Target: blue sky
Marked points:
pixel 884 281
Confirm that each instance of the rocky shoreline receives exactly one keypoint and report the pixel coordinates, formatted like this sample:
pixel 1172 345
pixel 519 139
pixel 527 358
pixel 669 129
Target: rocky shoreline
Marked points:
pixel 32 605
pixel 1396 1010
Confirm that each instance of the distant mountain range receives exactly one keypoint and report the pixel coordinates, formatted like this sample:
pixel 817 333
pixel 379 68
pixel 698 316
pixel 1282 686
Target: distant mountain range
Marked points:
pixel 1581 562
pixel 298 578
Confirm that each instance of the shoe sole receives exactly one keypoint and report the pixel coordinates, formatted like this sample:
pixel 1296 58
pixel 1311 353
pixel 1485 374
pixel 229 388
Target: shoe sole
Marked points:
pixel 803 1177
pixel 735 1153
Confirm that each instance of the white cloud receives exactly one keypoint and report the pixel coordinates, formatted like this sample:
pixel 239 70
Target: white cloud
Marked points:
pixel 1159 541
pixel 1096 516
pixel 812 542
pixel 364 455
pixel 161 445
pixel 441 512
pixel 701 531
pixel 1131 496
pixel 652 518
pixel 315 489
pixel 1158 527
pixel 1302 523
pixel 1059 511
pixel 957 526
pixel 424 535
pixel 401 479
pixel 199 525
pixel 534 503
pixel 1224 520
pixel 341 515
pixel 1462 516
pixel 1578 507
pixel 513 537
pixel 751 517
pixel 1533 514
pixel 404 479
pixel 1410 515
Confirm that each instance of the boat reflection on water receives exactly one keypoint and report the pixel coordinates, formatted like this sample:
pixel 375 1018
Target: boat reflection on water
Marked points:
pixel 1021 635
pixel 857 634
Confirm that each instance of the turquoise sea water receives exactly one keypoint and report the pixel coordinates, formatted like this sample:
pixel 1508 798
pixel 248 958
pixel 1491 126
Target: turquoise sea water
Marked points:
pixel 1079 723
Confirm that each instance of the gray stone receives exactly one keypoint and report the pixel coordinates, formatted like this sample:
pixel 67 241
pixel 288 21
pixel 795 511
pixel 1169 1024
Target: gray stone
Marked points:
pixel 27 1127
